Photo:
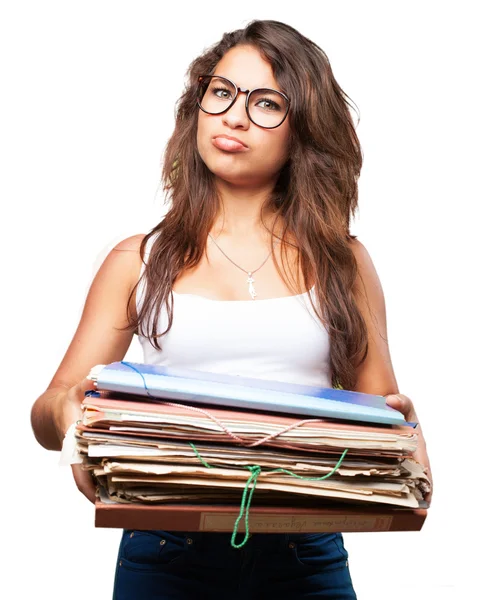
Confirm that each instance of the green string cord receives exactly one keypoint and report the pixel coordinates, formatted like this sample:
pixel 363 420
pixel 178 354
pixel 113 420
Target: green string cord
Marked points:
pixel 247 498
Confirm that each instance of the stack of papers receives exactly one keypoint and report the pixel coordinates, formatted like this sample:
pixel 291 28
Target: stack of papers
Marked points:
pixel 174 445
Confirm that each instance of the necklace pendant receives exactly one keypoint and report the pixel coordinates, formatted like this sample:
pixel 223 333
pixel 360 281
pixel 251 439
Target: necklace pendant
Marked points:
pixel 251 289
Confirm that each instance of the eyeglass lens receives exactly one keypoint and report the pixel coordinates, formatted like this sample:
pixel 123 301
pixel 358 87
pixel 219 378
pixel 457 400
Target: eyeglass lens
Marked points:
pixel 267 108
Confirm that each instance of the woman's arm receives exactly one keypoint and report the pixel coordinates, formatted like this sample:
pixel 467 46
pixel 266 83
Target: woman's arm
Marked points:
pixel 376 375
pixel 96 341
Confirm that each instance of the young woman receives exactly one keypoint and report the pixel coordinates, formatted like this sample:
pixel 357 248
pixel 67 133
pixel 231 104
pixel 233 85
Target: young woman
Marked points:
pixel 252 272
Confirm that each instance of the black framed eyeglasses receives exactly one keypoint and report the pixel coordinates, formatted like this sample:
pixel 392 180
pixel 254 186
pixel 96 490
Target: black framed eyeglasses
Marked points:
pixel 265 107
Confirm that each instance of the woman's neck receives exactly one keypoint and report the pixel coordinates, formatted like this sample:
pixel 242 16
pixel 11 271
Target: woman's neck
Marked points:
pixel 241 212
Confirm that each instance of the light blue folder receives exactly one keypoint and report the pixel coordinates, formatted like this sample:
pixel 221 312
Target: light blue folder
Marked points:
pixel 199 387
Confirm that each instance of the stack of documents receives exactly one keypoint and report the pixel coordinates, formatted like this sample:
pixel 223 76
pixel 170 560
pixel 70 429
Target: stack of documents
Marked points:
pixel 159 437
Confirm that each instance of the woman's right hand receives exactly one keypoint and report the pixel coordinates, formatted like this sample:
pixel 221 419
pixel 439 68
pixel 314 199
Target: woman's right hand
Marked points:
pixel 67 408
pixel 68 411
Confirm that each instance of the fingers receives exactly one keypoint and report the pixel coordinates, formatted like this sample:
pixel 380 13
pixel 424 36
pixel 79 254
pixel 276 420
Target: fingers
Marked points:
pixel 397 401
pixel 84 482
pixel 83 478
pixel 403 404
pixel 84 386
pixel 71 407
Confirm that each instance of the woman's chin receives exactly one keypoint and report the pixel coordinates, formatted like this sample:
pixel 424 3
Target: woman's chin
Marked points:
pixel 235 172
pixel 236 177
pixel 238 181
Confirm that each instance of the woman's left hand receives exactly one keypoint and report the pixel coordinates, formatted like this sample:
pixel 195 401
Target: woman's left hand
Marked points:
pixel 404 405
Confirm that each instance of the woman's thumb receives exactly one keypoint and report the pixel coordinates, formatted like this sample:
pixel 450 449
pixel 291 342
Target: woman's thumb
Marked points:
pixel 395 401
pixel 85 385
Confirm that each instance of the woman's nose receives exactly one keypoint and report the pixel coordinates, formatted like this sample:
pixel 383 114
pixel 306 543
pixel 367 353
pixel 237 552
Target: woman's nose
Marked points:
pixel 236 116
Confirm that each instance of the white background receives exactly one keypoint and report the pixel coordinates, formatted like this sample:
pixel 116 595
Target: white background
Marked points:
pixel 87 102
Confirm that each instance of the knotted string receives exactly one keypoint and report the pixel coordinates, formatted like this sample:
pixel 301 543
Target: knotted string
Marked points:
pixel 255 473
pixel 255 470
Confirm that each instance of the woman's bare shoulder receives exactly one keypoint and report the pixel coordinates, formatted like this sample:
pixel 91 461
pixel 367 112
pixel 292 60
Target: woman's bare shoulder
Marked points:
pixel 131 243
pixel 364 262
pixel 358 248
pixel 127 252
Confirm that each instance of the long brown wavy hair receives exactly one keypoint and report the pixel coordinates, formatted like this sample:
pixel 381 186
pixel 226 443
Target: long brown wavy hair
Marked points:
pixel 315 195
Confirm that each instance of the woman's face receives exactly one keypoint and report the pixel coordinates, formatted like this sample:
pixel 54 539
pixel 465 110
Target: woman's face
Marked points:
pixel 266 149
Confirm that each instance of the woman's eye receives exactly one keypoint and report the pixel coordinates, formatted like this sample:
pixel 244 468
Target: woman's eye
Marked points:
pixel 223 92
pixel 267 104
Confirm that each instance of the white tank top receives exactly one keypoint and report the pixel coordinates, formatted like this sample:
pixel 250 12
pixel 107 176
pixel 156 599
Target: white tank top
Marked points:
pixel 277 338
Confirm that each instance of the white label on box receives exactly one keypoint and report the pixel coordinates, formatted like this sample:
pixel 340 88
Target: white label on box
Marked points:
pixel 211 521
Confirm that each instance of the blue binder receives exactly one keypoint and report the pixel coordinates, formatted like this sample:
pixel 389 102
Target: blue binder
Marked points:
pixel 199 387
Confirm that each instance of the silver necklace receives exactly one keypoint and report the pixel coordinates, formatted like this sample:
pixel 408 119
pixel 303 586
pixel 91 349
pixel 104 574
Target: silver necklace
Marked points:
pixel 250 279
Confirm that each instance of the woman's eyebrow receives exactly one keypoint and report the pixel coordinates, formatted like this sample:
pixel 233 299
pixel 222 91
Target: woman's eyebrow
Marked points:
pixel 269 86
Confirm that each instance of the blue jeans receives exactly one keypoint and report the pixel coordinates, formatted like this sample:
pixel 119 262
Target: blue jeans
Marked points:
pixel 166 565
